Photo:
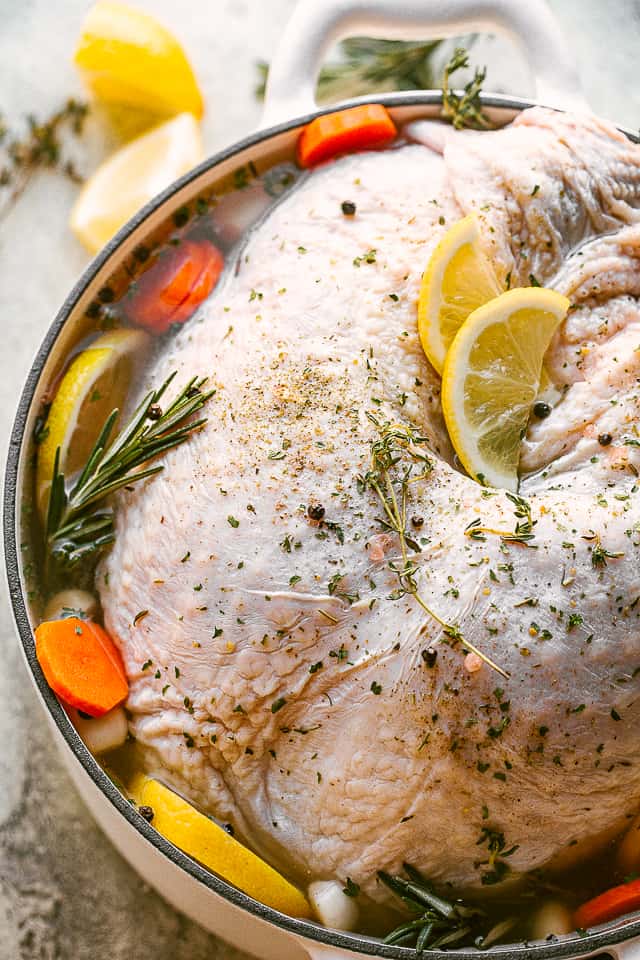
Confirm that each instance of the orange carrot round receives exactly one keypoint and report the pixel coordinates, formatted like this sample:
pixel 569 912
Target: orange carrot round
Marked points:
pixel 358 128
pixel 81 664
pixel 609 905
pixel 171 289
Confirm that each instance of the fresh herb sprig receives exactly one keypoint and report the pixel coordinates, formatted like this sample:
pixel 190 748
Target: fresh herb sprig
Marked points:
pixel 437 922
pixel 464 109
pixel 522 533
pixel 397 462
pixel 78 524
pixel 367 65
pixel 40 147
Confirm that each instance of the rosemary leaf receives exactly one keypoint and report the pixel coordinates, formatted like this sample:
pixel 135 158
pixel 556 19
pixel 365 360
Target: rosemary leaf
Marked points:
pixel 441 923
pixel 77 524
pixel 367 65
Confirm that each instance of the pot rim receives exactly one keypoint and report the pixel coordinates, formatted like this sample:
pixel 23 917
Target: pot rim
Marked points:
pixel 602 938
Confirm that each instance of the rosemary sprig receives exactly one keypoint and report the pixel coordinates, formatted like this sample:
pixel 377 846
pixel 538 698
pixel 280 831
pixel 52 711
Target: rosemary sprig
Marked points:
pixel 366 65
pixel 398 462
pixel 464 109
pixel 77 522
pixel 40 148
pixel 438 922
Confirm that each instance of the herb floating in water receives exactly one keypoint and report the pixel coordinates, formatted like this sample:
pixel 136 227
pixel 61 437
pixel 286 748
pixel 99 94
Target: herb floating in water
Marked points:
pixel 40 148
pixel 398 462
pixel 438 923
pixel 77 525
pixel 464 109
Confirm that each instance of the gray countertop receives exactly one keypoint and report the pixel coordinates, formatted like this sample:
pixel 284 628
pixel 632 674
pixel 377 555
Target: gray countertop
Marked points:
pixel 64 892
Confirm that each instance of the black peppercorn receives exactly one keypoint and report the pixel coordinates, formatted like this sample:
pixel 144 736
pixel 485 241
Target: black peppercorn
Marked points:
pixel 229 828
pixel 106 295
pixel 315 511
pixel 605 439
pixel 348 208
pixel 430 656
pixel 181 216
pixel 541 409
pixel 417 521
pixel 146 813
pixel 154 412
pixel 142 253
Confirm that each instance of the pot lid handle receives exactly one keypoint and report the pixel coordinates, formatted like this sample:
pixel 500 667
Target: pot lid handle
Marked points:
pixel 316 25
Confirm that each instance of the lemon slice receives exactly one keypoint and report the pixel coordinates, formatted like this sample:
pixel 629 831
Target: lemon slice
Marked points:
pixel 492 376
pixel 205 841
pixel 132 176
pixel 126 57
pixel 458 279
pixel 96 382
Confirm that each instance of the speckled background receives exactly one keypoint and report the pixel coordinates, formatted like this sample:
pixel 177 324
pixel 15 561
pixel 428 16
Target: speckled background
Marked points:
pixel 65 894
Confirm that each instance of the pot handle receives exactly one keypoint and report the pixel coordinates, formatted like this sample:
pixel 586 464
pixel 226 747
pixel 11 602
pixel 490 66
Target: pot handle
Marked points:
pixel 316 25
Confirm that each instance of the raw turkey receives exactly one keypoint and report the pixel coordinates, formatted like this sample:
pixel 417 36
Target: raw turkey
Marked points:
pixel 294 689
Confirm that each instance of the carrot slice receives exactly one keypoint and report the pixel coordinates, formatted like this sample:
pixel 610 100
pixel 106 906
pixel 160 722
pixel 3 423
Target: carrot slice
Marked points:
pixel 170 290
pixel 358 128
pixel 609 905
pixel 81 664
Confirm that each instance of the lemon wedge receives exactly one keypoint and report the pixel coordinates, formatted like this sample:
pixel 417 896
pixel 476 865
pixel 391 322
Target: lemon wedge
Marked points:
pixel 458 279
pixel 492 376
pixel 96 381
pixel 126 57
pixel 132 176
pixel 205 841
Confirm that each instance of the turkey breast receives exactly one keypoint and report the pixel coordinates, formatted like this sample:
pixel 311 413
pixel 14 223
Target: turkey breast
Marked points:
pixel 291 688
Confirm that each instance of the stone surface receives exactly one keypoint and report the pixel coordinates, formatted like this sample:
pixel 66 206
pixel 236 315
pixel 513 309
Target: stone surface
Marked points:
pixel 64 892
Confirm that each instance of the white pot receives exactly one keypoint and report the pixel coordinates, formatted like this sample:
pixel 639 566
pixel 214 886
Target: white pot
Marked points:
pixel 315 25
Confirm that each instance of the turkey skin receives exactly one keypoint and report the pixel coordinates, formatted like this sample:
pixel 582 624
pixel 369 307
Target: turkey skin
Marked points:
pixel 281 679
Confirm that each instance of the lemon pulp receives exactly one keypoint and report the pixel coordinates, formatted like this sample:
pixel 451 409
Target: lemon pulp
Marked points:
pixel 491 379
pixel 458 279
pixel 95 383
pixel 205 841
pixel 127 57
pixel 132 176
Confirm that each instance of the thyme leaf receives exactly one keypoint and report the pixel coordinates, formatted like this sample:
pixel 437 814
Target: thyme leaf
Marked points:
pixel 40 147
pixel 464 109
pixel 398 461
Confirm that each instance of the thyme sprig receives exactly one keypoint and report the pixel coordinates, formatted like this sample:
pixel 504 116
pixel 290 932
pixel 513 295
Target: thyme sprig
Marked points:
pixel 522 533
pixel 398 461
pixel 39 148
pixel 464 109
pixel 77 523
pixel 437 922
